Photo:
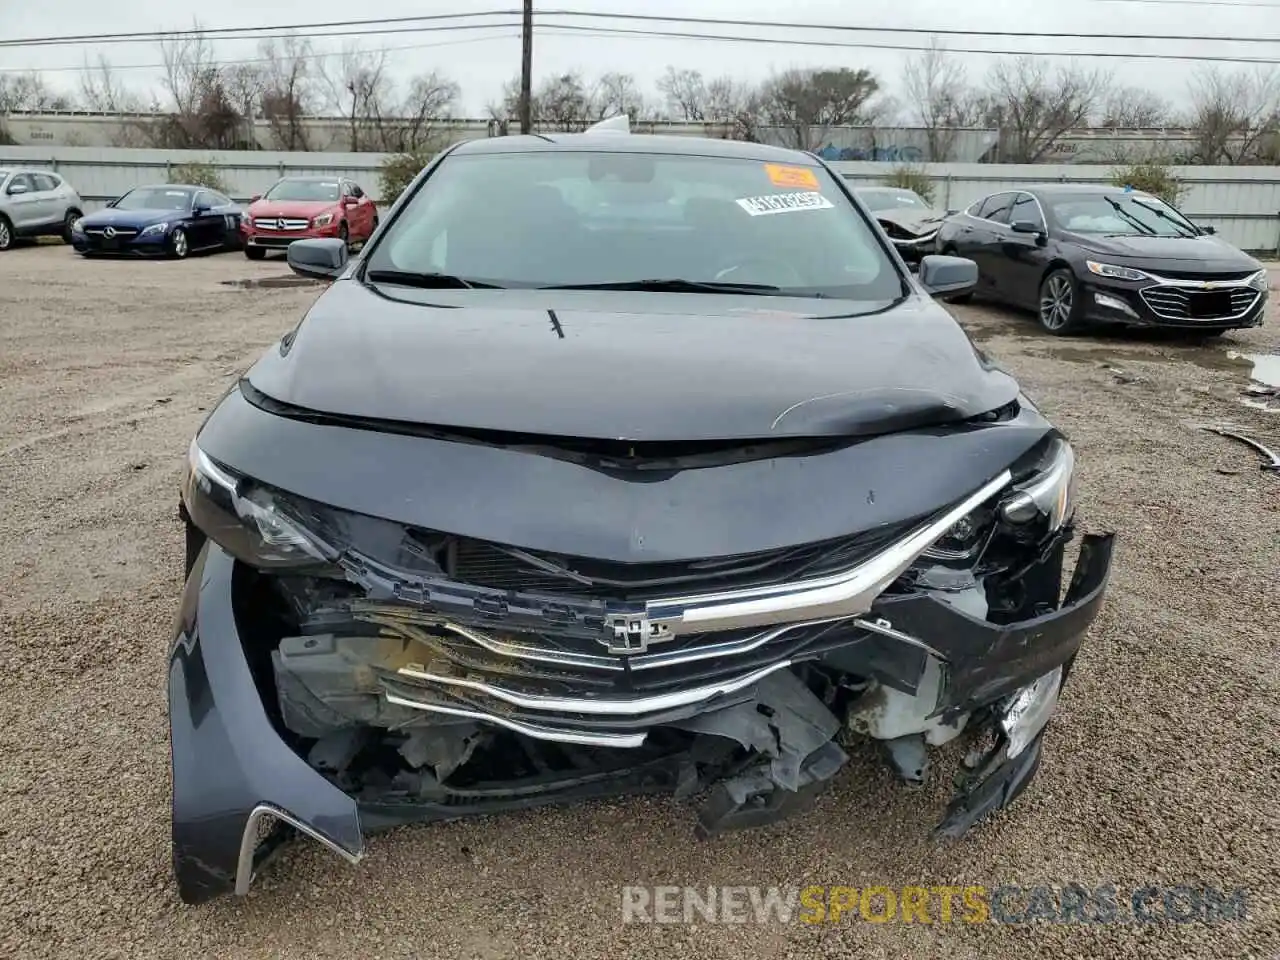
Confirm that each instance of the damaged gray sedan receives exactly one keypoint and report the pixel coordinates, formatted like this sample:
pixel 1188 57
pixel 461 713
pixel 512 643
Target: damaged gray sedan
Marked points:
pixel 613 465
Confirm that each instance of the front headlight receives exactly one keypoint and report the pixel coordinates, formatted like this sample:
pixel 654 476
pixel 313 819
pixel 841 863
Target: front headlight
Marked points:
pixel 1046 494
pixel 1115 272
pixel 152 230
pixel 323 220
pixel 245 519
pixel 1050 492
pixel 1259 281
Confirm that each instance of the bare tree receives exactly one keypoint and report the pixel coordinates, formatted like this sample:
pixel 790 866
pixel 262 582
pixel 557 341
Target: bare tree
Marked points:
pixel 28 91
pixel 102 90
pixel 199 112
pixel 562 103
pixel 429 102
pixel 937 88
pixel 685 94
pixel 244 85
pixel 1035 109
pixel 615 94
pixel 806 104
pixel 738 106
pixel 289 91
pixel 1134 107
pixel 357 85
pixel 1235 116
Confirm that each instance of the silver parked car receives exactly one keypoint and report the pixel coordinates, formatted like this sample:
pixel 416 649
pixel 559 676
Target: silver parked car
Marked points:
pixel 36 203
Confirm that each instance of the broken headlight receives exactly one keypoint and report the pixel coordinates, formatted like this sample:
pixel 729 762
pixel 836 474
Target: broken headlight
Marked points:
pixel 245 519
pixel 1046 492
pixel 1049 492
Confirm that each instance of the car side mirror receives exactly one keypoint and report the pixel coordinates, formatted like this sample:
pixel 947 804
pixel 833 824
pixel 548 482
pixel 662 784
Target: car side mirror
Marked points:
pixel 349 201
pixel 941 275
pixel 17 188
pixel 200 209
pixel 1026 226
pixel 320 258
pixel 1209 230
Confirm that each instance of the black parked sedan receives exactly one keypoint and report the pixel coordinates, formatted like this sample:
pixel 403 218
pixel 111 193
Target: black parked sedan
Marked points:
pixel 1082 255
pixel 565 488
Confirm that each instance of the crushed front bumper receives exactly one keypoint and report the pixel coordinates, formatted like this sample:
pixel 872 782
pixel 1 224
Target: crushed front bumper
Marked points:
pixel 235 771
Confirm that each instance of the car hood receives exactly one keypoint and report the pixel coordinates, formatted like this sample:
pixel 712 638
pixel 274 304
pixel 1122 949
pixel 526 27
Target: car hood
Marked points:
pixel 130 218
pixel 290 208
pixel 645 367
pixel 1206 253
pixel 915 220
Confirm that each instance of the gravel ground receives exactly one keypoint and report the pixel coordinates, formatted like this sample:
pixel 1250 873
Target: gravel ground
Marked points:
pixel 1162 767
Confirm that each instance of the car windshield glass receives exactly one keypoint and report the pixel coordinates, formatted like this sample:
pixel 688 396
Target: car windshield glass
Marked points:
pixel 1120 214
pixel 155 198
pixel 592 218
pixel 314 190
pixel 892 199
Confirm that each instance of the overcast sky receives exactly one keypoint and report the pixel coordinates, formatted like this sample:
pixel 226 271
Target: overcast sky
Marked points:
pixel 480 61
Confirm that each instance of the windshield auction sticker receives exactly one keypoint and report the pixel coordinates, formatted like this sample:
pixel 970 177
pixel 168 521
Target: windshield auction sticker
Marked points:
pixel 784 203
pixel 791 176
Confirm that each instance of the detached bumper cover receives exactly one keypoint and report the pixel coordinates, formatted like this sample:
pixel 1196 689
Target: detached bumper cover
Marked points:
pixel 231 768
pixel 227 758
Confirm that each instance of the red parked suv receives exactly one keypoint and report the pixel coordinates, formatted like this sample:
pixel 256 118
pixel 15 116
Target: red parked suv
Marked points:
pixel 299 207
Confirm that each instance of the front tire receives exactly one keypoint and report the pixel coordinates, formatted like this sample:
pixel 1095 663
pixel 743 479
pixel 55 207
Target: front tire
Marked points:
pixel 69 223
pixel 178 245
pixel 1061 309
pixel 6 233
pixel 344 235
pixel 255 253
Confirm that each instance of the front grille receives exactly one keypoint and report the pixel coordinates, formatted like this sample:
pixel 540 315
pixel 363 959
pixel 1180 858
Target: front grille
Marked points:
pixel 121 233
pixel 499 567
pixel 1201 277
pixel 1187 304
pixel 280 223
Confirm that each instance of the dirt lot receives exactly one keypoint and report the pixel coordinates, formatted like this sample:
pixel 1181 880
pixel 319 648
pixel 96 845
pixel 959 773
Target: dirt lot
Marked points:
pixel 1162 767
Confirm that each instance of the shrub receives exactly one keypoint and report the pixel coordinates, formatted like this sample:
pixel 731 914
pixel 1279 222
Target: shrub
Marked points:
pixel 397 171
pixel 911 178
pixel 1153 178
pixel 199 175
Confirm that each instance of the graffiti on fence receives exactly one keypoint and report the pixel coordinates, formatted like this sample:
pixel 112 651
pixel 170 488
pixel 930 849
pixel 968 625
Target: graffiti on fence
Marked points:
pixel 889 154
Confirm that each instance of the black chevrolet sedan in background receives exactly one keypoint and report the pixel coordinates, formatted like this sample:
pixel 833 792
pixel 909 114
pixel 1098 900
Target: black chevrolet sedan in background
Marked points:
pixel 613 464
pixel 1082 255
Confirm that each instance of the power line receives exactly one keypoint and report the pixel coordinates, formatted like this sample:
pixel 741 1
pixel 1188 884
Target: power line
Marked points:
pixel 152 36
pixel 565 29
pixel 400 25
pixel 928 31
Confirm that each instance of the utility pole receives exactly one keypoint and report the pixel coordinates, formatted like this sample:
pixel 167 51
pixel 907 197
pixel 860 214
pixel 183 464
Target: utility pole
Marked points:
pixel 526 71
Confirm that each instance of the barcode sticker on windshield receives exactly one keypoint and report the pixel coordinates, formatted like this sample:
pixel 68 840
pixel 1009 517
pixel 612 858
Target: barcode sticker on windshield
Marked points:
pixel 784 203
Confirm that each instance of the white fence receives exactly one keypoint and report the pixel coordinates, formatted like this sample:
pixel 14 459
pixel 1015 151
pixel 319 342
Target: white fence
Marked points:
pixel 1243 203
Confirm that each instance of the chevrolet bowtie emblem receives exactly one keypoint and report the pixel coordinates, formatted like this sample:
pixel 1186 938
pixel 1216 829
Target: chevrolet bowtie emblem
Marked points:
pixel 1209 286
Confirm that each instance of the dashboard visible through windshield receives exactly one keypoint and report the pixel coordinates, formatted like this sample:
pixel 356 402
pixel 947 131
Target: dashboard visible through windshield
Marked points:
pixel 603 218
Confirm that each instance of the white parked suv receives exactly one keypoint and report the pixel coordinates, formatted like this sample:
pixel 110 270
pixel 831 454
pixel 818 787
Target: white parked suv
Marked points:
pixel 36 203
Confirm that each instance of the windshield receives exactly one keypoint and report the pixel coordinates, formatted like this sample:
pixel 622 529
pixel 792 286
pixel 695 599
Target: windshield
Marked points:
pixel 590 218
pixel 314 190
pixel 892 200
pixel 1121 214
pixel 155 198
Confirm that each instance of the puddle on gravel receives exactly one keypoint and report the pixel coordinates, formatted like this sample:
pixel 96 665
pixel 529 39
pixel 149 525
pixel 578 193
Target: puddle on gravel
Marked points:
pixel 1261 369
pixel 261 283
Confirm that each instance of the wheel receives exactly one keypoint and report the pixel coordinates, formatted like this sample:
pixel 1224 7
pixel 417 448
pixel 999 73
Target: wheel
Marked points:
pixel 1061 310
pixel 344 235
pixel 178 246
pixel 6 233
pixel 68 225
pixel 255 253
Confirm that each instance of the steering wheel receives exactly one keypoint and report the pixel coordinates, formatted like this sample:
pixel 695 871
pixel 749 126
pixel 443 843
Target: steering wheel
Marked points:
pixel 757 269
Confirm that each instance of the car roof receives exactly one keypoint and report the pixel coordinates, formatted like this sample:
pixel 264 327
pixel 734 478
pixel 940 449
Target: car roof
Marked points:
pixel 318 177
pixel 635 143
pixel 171 186
pixel 1068 190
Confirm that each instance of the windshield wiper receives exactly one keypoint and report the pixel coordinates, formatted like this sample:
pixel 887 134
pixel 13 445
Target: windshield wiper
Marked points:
pixel 429 281
pixel 672 285
pixel 1145 228
pixel 1181 227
